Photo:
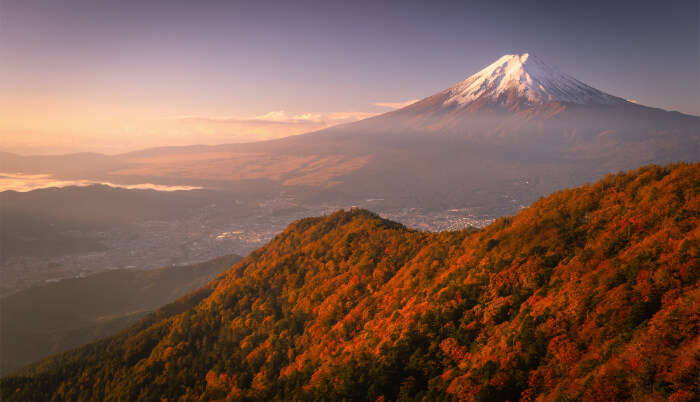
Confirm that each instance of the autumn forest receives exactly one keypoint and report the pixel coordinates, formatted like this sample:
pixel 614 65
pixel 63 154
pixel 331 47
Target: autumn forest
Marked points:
pixel 588 294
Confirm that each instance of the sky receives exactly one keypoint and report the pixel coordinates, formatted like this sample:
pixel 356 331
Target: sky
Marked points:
pixel 116 76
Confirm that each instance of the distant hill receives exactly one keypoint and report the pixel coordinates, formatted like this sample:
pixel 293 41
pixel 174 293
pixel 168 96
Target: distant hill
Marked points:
pixel 62 232
pixel 588 294
pixel 97 205
pixel 35 223
pixel 55 317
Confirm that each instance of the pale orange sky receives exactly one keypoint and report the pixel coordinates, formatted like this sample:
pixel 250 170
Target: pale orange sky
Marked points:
pixel 48 126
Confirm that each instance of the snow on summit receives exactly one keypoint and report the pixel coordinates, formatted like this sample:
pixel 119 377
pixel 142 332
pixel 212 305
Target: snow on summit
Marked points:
pixel 528 78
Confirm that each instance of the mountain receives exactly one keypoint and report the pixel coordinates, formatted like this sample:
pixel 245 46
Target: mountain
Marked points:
pixel 520 100
pixel 55 317
pixel 512 84
pixel 514 131
pixel 588 294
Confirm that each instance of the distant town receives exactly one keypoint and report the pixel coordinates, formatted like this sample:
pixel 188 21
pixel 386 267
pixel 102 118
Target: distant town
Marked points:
pixel 200 236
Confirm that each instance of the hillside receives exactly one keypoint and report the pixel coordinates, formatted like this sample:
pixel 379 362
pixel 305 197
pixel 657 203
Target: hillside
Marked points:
pixel 590 293
pixel 55 317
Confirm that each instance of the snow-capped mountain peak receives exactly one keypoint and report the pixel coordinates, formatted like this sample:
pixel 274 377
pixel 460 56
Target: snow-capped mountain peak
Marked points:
pixel 528 79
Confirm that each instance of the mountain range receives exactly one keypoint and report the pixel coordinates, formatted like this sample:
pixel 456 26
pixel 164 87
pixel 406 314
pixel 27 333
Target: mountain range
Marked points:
pixel 512 132
pixel 587 294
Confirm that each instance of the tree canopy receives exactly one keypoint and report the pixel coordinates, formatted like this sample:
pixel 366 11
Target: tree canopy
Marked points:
pixel 588 294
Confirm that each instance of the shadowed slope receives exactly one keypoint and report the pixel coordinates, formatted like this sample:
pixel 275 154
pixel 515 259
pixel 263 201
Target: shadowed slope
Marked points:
pixel 55 317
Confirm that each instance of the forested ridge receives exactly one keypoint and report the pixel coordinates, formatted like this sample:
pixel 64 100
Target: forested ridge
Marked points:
pixel 588 294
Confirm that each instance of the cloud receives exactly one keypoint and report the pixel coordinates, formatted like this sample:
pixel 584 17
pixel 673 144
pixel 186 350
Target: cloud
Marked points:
pixel 28 182
pixel 350 116
pixel 396 105
pixel 281 117
pixel 327 119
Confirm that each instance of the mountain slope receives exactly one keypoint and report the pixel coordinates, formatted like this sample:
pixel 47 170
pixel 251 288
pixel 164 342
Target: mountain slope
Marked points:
pixel 55 317
pixel 590 293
